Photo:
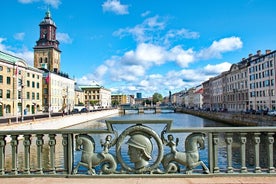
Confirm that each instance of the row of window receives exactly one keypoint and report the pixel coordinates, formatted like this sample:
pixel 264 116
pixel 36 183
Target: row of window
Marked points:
pixel 237 76
pixel 19 72
pixel 93 97
pixel 20 83
pixel 261 84
pixel 260 67
pixel 263 74
pixel 29 95
pixel 262 93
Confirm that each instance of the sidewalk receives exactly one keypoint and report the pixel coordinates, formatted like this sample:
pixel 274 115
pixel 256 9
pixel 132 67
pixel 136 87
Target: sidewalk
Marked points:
pixel 58 122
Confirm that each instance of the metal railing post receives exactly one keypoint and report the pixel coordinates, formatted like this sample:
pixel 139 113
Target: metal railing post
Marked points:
pixel 27 144
pixel 14 144
pixel 257 152
pixel 52 144
pixel 270 138
pixel 243 159
pixel 2 154
pixel 215 152
pixel 39 144
pixel 229 141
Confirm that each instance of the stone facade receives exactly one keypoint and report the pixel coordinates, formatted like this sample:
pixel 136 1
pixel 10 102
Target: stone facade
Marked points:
pixel 21 87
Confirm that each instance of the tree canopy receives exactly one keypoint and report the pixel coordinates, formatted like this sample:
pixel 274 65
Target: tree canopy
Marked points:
pixel 157 97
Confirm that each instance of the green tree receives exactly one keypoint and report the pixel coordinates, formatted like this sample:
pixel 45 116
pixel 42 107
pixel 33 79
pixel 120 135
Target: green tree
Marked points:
pixel 94 102
pixel 115 103
pixel 157 97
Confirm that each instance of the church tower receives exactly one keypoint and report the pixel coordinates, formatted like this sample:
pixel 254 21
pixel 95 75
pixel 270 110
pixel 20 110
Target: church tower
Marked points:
pixel 46 51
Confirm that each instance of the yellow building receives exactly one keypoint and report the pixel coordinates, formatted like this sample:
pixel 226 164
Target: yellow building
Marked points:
pixel 20 87
pixel 119 99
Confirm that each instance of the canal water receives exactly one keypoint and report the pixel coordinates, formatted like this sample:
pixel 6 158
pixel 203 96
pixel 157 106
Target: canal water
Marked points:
pixel 180 120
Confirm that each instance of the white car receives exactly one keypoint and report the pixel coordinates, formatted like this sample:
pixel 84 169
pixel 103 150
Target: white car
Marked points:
pixel 271 113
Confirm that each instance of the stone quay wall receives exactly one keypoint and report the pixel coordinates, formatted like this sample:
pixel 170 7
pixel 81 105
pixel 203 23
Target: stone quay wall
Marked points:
pixel 235 119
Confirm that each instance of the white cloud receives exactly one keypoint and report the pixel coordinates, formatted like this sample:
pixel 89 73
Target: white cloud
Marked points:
pixel 19 36
pixel 221 46
pixel 23 52
pixel 218 68
pixel 182 57
pixel 115 6
pixel 27 1
pixel 64 37
pixel 53 3
pixel 144 32
pixel 146 13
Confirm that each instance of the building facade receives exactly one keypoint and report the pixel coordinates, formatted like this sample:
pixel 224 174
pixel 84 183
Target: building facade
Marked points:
pixel 20 89
pixel 261 79
pixel 96 96
pixel 58 93
pixel 248 85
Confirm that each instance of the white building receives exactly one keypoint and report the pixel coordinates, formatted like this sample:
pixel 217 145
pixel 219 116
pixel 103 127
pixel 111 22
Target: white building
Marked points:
pixel 59 93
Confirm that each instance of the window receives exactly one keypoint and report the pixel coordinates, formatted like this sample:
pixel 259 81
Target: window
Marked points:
pixel 28 74
pixel 19 95
pixel 28 83
pixel 37 96
pixel 37 85
pixel 28 95
pixel 1 68
pixel 33 95
pixel 1 93
pixel 40 60
pixel 8 80
pixel 1 79
pixel 8 94
pixel 33 84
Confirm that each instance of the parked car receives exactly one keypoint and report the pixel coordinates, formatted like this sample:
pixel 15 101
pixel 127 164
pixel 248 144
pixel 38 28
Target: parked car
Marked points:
pixel 84 110
pixel 75 111
pixel 250 111
pixel 271 113
pixel 261 112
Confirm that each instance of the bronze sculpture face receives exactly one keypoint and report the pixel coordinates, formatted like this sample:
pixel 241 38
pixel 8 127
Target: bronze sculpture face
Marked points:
pixel 139 150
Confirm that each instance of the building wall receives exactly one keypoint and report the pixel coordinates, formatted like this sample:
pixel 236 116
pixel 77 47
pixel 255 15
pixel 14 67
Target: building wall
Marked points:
pixel 261 81
pixel 21 87
pixel 59 93
pixel 98 94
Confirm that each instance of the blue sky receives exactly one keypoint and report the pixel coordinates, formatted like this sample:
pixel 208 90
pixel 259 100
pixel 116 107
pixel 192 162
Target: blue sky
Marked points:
pixel 143 46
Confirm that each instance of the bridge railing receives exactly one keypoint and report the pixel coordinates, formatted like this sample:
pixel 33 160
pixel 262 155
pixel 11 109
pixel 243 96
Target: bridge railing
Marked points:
pixel 162 151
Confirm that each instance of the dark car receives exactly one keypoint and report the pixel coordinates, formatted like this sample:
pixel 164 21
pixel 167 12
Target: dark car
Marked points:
pixel 75 111
pixel 84 110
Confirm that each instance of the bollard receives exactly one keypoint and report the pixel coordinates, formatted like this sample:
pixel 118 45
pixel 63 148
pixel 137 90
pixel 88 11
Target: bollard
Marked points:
pixel 9 121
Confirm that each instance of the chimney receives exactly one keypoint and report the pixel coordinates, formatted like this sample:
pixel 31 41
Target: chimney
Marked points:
pixel 259 52
pixel 267 51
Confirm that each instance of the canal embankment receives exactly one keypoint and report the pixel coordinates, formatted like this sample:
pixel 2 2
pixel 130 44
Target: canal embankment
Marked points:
pixel 59 121
pixel 235 119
